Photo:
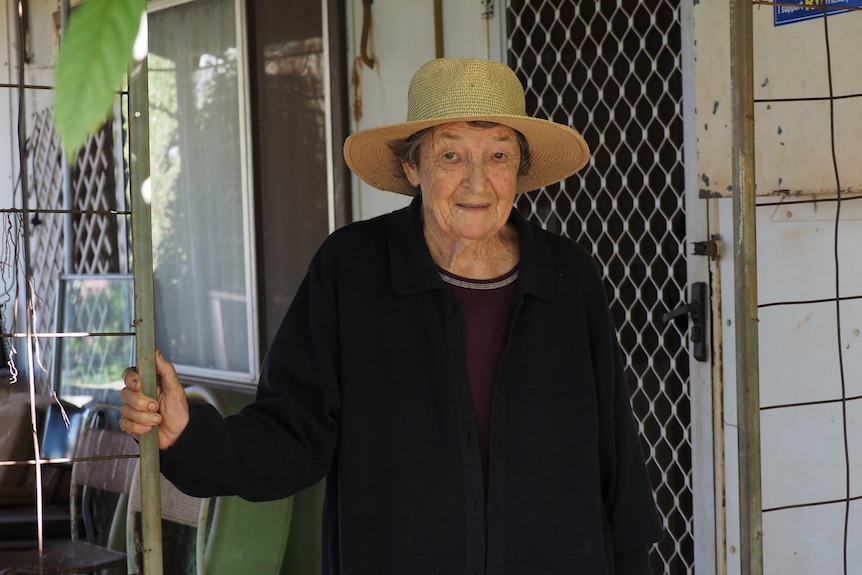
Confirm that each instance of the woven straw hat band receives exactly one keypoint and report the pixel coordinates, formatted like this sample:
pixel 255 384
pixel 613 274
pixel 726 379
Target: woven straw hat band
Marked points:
pixel 472 88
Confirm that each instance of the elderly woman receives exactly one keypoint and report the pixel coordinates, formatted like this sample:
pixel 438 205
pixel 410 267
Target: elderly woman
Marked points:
pixel 450 368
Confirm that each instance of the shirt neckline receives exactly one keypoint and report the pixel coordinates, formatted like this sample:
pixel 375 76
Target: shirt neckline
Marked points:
pixel 494 283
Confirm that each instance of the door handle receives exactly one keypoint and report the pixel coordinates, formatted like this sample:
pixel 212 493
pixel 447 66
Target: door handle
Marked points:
pixel 696 309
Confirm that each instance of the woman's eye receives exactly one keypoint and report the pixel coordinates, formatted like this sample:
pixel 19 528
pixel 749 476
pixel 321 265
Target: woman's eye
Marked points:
pixel 449 156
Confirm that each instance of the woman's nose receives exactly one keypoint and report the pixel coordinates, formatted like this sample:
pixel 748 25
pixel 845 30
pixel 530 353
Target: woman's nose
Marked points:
pixel 477 176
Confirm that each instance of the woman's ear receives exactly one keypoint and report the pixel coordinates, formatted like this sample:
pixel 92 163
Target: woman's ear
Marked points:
pixel 412 173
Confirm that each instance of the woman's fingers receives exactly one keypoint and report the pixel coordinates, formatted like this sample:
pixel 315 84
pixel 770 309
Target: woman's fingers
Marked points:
pixel 131 379
pixel 139 412
pixel 169 410
pixel 168 379
pixel 130 423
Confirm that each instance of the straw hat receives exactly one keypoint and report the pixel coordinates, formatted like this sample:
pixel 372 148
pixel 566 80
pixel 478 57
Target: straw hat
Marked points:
pixel 456 90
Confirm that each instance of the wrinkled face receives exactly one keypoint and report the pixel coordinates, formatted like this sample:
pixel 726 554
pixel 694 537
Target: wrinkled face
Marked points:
pixel 467 176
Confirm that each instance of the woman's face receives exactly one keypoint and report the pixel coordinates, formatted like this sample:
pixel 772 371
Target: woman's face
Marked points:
pixel 467 176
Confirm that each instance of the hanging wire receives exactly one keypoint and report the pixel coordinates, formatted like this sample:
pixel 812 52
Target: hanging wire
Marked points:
pixel 836 260
pixel 25 223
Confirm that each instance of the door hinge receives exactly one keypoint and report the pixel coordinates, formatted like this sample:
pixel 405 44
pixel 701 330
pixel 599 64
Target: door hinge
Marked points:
pixel 487 9
pixel 707 248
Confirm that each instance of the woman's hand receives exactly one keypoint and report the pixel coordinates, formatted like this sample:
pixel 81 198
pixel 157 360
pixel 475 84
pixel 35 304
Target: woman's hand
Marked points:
pixel 170 410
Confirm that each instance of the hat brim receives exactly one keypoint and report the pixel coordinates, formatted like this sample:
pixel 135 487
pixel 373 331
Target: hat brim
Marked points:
pixel 556 151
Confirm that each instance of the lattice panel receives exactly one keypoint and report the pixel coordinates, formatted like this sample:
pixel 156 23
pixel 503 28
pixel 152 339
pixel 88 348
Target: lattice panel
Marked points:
pixel 47 235
pixel 94 190
pixel 95 240
pixel 612 70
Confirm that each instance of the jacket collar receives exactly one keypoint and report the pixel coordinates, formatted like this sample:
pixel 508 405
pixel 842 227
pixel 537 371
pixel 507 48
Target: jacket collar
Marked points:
pixel 414 271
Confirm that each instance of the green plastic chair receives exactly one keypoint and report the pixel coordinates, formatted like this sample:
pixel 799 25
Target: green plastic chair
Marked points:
pixel 235 536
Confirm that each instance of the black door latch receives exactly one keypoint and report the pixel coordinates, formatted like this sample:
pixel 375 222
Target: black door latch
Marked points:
pixel 696 309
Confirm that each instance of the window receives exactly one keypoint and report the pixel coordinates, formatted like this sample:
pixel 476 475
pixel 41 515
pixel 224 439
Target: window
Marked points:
pixel 95 313
pixel 245 161
pixel 202 232
pixel 297 61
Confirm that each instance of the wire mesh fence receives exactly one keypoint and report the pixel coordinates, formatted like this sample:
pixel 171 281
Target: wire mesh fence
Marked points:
pixel 819 317
pixel 63 218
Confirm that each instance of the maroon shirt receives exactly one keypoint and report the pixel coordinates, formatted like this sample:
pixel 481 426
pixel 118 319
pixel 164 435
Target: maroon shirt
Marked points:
pixel 485 305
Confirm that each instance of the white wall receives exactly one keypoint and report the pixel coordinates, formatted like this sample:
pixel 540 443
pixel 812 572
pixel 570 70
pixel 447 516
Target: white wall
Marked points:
pixel 793 139
pixel 7 148
pixel 7 107
pixel 803 415
pixel 402 39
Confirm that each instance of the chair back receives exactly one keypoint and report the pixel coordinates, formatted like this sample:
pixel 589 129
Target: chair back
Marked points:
pixel 103 465
pixel 180 514
pixel 111 460
pixel 105 460
pixel 177 507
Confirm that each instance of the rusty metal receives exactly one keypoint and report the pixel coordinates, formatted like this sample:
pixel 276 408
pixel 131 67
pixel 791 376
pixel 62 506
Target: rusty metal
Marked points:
pixel 745 287
pixel 708 248
pixel 438 28
pixel 145 333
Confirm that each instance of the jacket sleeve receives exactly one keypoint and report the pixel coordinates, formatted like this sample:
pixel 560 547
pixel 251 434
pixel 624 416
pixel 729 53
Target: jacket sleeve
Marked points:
pixel 633 562
pixel 285 440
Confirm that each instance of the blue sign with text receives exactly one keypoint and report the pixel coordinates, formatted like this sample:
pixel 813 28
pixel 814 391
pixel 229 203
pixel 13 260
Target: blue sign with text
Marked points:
pixel 798 10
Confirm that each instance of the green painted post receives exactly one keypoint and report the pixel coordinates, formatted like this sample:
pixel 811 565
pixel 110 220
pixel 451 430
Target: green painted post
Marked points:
pixel 745 287
pixel 145 333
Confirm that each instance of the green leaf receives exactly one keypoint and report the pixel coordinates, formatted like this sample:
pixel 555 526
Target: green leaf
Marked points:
pixel 93 60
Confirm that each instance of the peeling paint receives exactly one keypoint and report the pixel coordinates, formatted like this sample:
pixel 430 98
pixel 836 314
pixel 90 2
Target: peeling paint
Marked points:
pixel 356 85
pixel 780 131
pixel 714 107
pixel 705 179
pixel 765 83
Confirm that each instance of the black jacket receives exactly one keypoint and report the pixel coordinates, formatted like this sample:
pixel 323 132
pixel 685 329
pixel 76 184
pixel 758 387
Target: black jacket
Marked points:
pixel 366 383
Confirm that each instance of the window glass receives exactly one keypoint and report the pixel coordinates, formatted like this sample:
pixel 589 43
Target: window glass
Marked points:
pixel 289 69
pixel 200 229
pixel 95 314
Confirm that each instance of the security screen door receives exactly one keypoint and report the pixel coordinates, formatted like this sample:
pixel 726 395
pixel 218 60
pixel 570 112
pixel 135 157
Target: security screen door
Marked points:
pixel 613 71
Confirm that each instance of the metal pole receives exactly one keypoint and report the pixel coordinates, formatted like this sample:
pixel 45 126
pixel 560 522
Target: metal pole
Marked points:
pixel 30 296
pixel 745 280
pixel 145 333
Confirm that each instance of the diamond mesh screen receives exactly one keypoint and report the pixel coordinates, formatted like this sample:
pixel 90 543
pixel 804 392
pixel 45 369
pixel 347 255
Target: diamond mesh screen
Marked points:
pixel 94 190
pixel 47 239
pixel 612 70
pixel 96 240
